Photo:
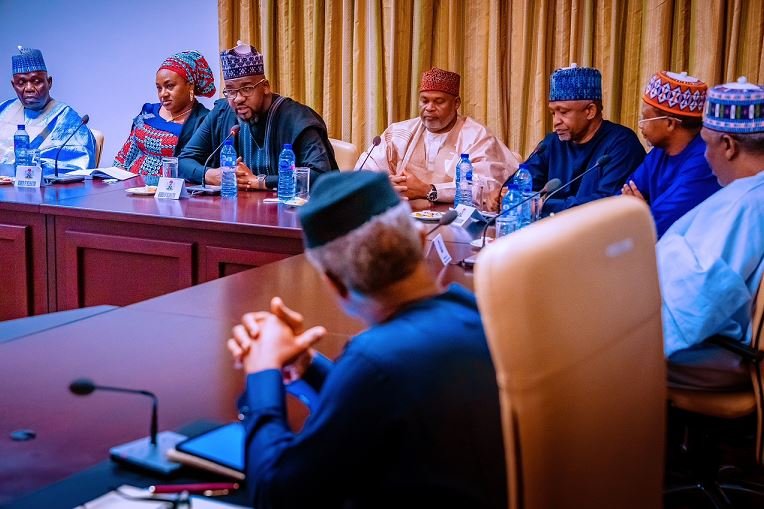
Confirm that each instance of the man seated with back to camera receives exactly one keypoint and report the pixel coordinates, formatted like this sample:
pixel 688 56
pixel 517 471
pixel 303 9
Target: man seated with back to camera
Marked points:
pixel 711 260
pixel 266 122
pixel 420 154
pixel 409 414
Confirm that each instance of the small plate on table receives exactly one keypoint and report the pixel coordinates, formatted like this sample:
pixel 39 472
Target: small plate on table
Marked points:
pixel 142 191
pixel 478 242
pixel 6 180
pixel 296 202
pixel 428 216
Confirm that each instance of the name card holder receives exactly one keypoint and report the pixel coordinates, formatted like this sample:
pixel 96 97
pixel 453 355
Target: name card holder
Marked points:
pixel 442 250
pixel 28 176
pixel 467 214
pixel 171 189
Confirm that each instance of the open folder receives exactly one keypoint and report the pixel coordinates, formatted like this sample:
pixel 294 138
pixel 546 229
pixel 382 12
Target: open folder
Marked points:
pixel 105 173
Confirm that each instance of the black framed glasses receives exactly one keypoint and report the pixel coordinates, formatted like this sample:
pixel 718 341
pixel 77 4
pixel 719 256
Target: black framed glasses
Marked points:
pixel 245 91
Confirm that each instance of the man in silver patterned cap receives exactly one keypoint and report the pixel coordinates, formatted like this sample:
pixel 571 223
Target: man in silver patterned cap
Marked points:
pixel 266 122
pixel 47 122
pixel 711 260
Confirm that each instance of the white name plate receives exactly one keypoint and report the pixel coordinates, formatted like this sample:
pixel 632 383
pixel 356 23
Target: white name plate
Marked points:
pixel 28 176
pixel 170 189
pixel 465 213
pixel 440 247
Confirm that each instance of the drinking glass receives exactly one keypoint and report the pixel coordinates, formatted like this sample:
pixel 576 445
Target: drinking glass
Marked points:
pixel 170 167
pixel 302 182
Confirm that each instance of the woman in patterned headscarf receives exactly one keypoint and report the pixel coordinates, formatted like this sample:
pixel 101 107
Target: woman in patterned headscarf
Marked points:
pixel 162 129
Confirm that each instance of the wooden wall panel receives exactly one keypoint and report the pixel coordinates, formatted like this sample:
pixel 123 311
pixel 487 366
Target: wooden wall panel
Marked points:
pixel 119 270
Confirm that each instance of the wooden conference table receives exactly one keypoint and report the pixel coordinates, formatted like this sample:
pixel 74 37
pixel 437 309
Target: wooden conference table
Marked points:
pixel 172 345
pixel 91 243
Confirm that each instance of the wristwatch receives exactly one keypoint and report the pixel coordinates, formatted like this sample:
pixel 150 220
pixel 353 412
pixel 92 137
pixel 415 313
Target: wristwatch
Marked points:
pixel 432 196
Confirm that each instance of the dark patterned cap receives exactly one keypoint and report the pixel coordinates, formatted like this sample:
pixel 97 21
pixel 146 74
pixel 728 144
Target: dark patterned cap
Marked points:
pixel 243 60
pixel 28 60
pixel 575 84
pixel 342 202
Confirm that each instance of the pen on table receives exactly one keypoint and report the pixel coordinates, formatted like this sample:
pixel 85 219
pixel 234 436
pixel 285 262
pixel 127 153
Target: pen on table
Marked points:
pixel 212 487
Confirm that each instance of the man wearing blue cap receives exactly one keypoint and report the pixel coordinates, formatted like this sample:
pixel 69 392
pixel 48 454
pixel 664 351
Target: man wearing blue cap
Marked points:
pixel 409 414
pixel 711 260
pixel 47 122
pixel 266 122
pixel 580 139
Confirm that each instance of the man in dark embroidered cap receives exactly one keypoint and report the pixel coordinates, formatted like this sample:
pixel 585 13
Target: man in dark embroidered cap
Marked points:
pixel 266 120
pixel 48 122
pixel 581 137
pixel 409 414
pixel 420 154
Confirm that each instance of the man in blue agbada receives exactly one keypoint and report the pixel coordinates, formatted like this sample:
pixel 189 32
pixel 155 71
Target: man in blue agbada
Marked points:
pixel 409 414
pixel 47 121
pixel 675 176
pixel 711 260
pixel 581 137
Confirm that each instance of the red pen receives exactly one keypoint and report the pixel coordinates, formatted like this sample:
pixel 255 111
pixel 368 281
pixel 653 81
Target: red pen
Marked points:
pixel 194 488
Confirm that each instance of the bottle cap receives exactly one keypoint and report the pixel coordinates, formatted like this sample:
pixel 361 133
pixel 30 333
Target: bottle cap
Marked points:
pixel 465 156
pixel 20 127
pixel 288 146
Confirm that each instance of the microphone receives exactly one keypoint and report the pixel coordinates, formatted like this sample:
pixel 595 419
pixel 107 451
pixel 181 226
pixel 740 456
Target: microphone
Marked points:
pixel 600 163
pixel 66 179
pixel 540 149
pixel 551 187
pixel 203 187
pixel 147 453
pixel 376 141
pixel 444 220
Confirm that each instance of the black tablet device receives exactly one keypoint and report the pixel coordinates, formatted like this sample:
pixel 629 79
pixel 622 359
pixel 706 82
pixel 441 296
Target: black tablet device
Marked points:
pixel 223 445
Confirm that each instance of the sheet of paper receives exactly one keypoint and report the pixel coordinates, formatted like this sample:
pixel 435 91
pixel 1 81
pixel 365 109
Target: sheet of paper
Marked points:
pixel 114 500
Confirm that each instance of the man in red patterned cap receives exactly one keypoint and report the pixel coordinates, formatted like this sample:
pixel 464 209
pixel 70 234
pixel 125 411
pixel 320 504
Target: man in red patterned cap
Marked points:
pixel 675 176
pixel 421 154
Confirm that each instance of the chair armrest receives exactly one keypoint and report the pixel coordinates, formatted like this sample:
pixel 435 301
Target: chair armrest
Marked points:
pixel 741 349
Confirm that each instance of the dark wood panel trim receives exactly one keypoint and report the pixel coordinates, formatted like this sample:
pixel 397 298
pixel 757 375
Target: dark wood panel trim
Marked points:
pixel 74 242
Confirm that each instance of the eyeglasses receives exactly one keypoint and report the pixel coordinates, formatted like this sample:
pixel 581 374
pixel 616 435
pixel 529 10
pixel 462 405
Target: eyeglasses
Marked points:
pixel 645 120
pixel 246 91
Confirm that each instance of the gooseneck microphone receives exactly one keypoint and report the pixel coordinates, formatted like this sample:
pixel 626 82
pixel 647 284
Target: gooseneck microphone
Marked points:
pixel 85 386
pixel 551 187
pixel 374 143
pixel 146 453
pixel 233 132
pixel 540 149
pixel 601 162
pixel 444 220
pixel 64 179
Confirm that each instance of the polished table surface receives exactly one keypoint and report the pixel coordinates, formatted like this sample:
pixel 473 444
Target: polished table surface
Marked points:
pixel 173 345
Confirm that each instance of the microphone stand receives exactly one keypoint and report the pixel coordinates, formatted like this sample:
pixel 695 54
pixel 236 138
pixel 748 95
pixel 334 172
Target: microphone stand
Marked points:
pixel 202 188
pixel 374 144
pixel 148 453
pixel 66 179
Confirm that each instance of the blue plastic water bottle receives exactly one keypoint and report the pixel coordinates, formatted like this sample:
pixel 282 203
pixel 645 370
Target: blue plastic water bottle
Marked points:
pixel 228 189
pixel 286 173
pixel 509 219
pixel 463 193
pixel 524 182
pixel 21 146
